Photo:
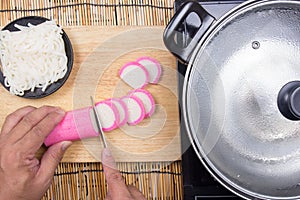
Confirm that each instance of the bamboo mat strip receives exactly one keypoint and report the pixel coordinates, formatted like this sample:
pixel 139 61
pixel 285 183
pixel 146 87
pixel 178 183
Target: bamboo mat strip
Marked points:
pixel 86 181
pixel 91 12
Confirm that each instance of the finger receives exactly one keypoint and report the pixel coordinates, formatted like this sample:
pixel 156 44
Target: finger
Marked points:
pixel 36 136
pixel 13 119
pixel 115 183
pixel 50 161
pixel 135 193
pixel 108 161
pixel 108 197
pixel 29 121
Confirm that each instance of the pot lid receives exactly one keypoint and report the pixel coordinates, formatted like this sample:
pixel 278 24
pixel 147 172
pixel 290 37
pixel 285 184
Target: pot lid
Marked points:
pixel 242 99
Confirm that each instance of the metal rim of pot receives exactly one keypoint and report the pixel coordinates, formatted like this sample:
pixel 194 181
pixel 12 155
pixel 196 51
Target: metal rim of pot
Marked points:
pixel 190 53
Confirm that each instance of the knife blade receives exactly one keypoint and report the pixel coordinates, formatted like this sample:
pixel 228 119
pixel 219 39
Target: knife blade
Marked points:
pixel 98 123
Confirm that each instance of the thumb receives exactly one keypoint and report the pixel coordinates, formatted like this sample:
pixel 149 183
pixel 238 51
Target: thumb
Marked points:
pixel 51 159
pixel 108 160
pixel 115 183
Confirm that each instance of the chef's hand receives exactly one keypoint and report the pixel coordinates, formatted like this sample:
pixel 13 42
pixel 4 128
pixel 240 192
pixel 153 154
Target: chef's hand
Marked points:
pixel 22 175
pixel 117 189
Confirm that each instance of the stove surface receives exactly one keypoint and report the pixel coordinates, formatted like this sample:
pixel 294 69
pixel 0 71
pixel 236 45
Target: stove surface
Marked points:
pixel 197 181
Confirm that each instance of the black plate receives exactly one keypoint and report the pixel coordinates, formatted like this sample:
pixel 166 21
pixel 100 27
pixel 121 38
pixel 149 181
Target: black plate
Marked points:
pixel 38 93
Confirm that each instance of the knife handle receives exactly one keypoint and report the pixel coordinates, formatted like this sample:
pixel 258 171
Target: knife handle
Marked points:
pixel 76 125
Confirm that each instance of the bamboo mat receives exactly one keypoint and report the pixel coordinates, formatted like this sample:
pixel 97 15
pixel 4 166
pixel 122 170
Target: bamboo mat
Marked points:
pixel 157 180
pixel 91 12
pixel 86 181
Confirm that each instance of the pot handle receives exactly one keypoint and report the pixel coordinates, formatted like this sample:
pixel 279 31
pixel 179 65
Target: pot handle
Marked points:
pixel 172 32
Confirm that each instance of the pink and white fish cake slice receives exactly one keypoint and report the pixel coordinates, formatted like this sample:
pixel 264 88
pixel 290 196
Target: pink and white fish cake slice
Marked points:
pixel 147 100
pixel 134 74
pixel 153 67
pixel 135 108
pixel 109 115
pixel 122 110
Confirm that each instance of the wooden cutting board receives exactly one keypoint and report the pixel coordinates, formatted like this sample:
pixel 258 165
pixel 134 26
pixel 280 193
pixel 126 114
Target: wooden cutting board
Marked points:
pixel 99 53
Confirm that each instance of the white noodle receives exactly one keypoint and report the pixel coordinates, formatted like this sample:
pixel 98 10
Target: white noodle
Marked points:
pixel 33 57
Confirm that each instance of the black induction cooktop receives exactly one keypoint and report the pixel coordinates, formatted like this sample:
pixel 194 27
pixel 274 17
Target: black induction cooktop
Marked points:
pixel 197 182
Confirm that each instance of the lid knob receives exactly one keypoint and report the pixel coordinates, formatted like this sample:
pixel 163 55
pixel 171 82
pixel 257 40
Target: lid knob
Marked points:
pixel 288 100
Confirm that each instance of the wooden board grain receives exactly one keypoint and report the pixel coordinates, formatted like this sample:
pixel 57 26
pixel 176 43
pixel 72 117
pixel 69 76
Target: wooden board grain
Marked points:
pixel 99 53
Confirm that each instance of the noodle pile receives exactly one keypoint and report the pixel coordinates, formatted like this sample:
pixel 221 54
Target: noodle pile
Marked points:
pixel 33 57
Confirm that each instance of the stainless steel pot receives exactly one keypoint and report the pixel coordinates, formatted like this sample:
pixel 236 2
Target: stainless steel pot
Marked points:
pixel 241 97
